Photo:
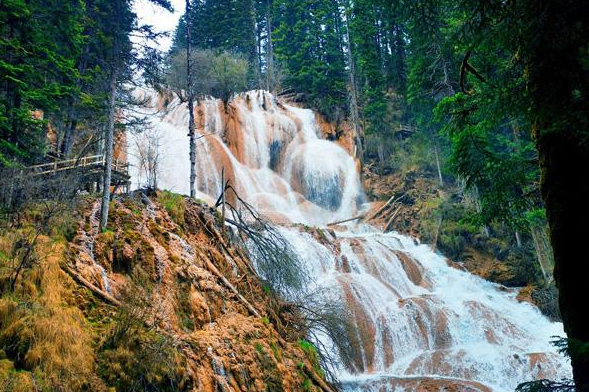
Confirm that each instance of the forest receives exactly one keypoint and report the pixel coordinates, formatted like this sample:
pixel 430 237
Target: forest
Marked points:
pixel 471 117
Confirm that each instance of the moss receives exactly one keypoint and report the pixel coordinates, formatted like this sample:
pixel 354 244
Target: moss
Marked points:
pixel 321 233
pixel 57 335
pixel 22 381
pixel 134 356
pixel 259 348
pixel 272 377
pixel 64 226
pixel 175 206
pixel 183 298
pixel 276 351
pixel 308 386
pixel 312 355
pixel 267 288
pixel 41 333
pixel 159 233
pixel 6 367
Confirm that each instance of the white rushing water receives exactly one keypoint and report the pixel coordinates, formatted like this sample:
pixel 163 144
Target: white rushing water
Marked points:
pixel 415 320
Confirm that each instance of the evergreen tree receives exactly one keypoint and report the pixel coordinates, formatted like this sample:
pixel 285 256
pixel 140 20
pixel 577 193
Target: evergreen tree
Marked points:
pixel 224 26
pixel 365 37
pixel 39 41
pixel 309 45
pixel 121 60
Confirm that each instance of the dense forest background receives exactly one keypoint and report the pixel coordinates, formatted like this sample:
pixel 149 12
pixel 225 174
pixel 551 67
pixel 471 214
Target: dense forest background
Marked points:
pixel 392 69
pixel 488 98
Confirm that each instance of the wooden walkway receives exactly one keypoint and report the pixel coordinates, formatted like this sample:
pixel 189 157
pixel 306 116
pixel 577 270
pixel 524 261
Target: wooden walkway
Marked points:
pixel 89 167
pixel 77 163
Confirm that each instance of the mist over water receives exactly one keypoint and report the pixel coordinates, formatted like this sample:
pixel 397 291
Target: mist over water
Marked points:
pixel 416 320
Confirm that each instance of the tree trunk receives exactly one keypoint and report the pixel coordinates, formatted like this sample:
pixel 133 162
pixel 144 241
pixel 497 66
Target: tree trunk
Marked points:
pixel 354 97
pixel 270 77
pixel 543 251
pixel 440 178
pixel 255 55
pixel 109 143
pixel 191 125
pixel 557 79
pixel 518 239
pixel 72 123
pixel 68 138
pixel 564 162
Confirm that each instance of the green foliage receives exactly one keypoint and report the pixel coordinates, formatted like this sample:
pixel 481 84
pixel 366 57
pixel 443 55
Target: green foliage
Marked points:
pixel 55 58
pixel 214 73
pixel 39 41
pixel 492 155
pixel 229 74
pixel 224 26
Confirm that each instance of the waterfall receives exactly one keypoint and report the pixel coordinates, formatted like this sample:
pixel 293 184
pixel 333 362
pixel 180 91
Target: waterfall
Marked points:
pixel 415 320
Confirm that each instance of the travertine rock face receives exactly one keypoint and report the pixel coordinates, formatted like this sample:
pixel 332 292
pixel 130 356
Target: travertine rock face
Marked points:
pixel 225 346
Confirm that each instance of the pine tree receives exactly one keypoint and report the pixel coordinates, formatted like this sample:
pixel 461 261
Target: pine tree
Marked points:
pixel 527 60
pixel 365 39
pixel 315 65
pixel 39 41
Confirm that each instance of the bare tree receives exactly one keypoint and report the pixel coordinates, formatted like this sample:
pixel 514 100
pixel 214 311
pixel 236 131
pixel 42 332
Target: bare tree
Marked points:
pixel 147 149
pixel 274 259
pixel 191 125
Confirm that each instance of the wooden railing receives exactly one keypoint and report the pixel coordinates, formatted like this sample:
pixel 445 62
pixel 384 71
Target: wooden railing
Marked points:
pixel 76 163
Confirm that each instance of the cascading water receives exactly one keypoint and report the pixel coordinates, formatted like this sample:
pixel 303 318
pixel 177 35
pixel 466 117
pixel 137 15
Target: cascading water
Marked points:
pixel 416 320
pixel 89 239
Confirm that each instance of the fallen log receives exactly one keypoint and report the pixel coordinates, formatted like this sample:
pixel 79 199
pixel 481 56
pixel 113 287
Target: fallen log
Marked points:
pixel 346 220
pixel 81 280
pixel 228 284
pixel 211 267
pixel 236 258
pixel 381 209
pixel 318 380
pixel 390 221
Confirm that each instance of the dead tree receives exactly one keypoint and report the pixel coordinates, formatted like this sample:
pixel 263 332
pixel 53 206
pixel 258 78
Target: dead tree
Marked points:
pixel 148 146
pixel 191 125
pixel 274 258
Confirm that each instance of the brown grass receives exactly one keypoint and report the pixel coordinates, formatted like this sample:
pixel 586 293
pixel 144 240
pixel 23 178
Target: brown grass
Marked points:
pixel 43 334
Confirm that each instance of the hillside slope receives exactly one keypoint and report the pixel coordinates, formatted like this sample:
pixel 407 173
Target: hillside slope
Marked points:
pixel 158 301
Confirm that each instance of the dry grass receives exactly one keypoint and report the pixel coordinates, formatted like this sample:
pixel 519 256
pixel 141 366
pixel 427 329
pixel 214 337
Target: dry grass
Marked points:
pixel 42 334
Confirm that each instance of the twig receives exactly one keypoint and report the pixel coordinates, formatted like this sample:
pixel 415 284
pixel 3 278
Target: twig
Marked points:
pixel 211 267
